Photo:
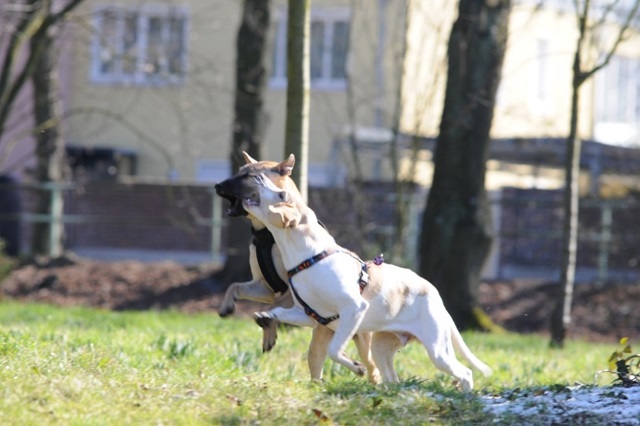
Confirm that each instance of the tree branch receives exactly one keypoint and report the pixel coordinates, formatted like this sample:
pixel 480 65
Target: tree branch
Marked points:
pixel 619 39
pixel 32 23
pixel 65 10
pixel 607 10
pixel 25 29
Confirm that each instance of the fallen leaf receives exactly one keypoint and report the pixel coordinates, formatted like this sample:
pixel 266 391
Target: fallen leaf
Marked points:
pixel 319 414
pixel 235 400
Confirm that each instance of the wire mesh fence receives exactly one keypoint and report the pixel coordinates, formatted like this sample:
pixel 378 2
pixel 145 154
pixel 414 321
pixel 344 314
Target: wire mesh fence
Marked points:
pixel 187 222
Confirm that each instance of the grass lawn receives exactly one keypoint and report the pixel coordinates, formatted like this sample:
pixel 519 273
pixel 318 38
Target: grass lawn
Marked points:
pixel 77 366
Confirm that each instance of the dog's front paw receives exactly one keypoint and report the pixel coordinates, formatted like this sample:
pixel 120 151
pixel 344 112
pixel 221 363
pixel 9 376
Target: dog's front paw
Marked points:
pixel 269 329
pixel 226 310
pixel 360 369
pixel 263 319
pixel 374 375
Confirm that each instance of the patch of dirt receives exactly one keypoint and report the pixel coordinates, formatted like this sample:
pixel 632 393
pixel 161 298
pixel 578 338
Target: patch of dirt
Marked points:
pixel 600 313
pixel 129 285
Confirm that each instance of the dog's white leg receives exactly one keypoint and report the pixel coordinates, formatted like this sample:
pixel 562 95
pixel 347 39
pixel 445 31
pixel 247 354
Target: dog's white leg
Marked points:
pixel 269 320
pixel 383 348
pixel 363 344
pixel 255 290
pixel 320 338
pixel 435 335
pixel 350 320
pixel 462 349
pixel 445 360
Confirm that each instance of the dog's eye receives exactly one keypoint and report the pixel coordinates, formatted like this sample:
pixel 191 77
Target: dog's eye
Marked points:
pixel 282 195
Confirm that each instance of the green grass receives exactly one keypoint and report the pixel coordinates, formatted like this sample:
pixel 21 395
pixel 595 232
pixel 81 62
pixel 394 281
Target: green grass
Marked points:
pixel 77 366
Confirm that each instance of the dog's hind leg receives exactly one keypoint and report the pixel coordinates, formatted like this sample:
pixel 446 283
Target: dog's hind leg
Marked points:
pixel 445 360
pixel 435 335
pixel 363 344
pixel 255 290
pixel 384 346
pixel 320 338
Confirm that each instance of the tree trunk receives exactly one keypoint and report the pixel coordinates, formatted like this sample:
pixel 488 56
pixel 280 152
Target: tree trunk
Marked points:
pixel 561 316
pixel 456 225
pixel 297 121
pixel 47 236
pixel 248 124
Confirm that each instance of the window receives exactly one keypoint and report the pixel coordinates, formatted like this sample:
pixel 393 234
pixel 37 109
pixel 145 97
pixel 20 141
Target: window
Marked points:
pixel 139 45
pixel 541 80
pixel 618 102
pixel 328 47
pixel 620 97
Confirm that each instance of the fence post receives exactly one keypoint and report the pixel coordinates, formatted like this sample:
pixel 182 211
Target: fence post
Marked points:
pixel 216 228
pixel 55 218
pixel 605 239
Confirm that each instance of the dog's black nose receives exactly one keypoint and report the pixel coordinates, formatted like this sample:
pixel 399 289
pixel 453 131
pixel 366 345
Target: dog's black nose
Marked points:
pixel 218 188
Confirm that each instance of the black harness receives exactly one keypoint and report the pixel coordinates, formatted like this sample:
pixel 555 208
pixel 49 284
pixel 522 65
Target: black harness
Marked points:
pixel 263 240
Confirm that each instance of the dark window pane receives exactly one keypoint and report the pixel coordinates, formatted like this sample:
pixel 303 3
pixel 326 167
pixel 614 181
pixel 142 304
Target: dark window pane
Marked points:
pixel 130 44
pixel 339 50
pixel 317 49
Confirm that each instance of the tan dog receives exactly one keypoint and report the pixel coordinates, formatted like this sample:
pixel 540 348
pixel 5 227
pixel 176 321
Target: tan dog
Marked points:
pixel 259 289
pixel 324 278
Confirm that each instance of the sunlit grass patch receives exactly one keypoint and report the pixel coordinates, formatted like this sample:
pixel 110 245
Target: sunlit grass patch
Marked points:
pixel 86 366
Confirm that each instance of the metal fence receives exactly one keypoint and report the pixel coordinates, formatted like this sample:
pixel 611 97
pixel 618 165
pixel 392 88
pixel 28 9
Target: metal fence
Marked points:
pixel 113 220
pixel 118 220
pixel 608 236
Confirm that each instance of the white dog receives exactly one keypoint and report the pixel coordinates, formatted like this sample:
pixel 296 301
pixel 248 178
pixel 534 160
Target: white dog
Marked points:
pixel 325 280
pixel 269 276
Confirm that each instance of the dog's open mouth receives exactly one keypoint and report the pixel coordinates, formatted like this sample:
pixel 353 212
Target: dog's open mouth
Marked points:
pixel 235 209
pixel 237 204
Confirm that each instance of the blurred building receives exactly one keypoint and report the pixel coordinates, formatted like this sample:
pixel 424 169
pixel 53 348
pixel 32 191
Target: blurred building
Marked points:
pixel 148 89
pixel 148 85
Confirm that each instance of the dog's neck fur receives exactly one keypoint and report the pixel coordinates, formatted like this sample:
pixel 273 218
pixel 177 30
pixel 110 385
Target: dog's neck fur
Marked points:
pixel 299 243
pixel 255 223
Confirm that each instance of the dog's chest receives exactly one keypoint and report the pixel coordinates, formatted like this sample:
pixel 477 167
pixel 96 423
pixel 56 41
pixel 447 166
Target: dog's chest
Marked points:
pixel 325 286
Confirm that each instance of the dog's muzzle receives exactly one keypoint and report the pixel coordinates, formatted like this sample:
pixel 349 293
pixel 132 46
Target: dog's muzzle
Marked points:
pixel 235 209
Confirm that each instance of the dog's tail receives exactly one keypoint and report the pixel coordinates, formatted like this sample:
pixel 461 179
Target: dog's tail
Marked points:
pixel 462 348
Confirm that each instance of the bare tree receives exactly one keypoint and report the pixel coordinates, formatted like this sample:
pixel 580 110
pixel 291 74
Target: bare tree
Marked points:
pixel 456 225
pixel 33 19
pixel 47 236
pixel 248 122
pixel 37 25
pixel 297 121
pixel 582 72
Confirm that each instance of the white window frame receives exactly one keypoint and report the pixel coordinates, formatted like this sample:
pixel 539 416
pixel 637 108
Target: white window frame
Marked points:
pixel 329 16
pixel 540 95
pixel 145 13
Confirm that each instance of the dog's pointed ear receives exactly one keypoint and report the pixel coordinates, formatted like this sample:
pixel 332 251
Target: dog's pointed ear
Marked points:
pixel 286 167
pixel 284 215
pixel 248 159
